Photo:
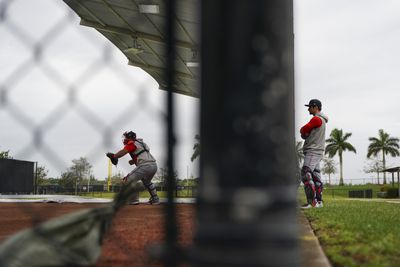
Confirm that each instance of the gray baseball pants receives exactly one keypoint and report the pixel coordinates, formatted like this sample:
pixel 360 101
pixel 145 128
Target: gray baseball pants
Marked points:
pixel 144 173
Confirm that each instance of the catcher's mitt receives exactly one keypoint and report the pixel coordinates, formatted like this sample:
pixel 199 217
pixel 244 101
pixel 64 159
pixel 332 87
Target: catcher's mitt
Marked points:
pixel 113 160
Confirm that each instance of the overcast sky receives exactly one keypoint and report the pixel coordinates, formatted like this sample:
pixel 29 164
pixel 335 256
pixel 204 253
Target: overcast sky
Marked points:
pixel 346 54
pixel 108 96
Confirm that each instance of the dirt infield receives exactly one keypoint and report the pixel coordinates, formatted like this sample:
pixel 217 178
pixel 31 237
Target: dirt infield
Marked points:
pixel 134 230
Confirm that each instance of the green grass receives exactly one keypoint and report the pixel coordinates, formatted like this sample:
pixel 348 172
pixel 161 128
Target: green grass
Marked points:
pixel 358 233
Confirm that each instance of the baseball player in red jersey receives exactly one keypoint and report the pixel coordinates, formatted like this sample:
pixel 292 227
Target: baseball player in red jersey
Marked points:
pixel 313 134
pixel 146 166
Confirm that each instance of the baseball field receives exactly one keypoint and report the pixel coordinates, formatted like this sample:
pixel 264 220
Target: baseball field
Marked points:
pixel 135 232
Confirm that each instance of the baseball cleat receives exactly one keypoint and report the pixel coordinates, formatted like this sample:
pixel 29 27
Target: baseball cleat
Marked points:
pixel 154 201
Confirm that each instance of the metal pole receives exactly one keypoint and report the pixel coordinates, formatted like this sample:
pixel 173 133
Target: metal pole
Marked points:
pixel 187 180
pixel 88 184
pixel 171 229
pixel 392 179
pixel 246 209
pixel 109 175
pixel 35 180
pixel 398 183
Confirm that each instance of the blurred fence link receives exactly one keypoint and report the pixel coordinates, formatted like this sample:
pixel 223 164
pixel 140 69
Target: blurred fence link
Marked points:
pixel 64 92
pixel 63 85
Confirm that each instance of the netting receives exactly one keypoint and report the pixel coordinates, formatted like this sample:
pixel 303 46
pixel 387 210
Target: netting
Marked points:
pixel 66 92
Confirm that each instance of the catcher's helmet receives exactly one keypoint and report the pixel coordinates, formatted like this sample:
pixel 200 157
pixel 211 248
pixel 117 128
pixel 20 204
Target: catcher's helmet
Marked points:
pixel 130 135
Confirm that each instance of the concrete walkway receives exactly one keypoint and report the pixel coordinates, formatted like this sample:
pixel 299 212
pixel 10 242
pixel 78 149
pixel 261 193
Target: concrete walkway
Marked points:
pixel 311 251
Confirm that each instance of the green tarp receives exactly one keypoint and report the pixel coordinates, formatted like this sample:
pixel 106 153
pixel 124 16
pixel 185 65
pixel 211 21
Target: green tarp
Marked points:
pixel 71 240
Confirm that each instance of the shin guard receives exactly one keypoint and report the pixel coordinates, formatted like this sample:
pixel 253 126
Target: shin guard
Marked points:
pixel 319 186
pixel 309 186
pixel 151 188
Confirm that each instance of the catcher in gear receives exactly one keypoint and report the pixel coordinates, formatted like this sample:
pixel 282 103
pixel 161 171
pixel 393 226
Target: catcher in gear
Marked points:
pixel 313 134
pixel 146 166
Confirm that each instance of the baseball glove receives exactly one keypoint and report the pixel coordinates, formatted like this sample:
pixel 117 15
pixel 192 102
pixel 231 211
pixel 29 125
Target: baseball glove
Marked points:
pixel 113 160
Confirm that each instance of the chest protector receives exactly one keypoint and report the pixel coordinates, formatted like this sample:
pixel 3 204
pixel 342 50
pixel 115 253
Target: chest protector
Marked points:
pixel 141 153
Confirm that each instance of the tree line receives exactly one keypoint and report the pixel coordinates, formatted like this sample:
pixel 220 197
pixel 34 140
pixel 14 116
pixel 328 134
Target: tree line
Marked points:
pixel 80 173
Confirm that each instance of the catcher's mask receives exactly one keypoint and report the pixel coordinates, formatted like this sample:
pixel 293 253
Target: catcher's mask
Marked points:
pixel 128 136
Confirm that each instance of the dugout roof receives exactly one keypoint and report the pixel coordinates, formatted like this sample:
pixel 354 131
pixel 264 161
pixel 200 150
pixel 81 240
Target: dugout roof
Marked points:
pixel 136 28
pixel 394 169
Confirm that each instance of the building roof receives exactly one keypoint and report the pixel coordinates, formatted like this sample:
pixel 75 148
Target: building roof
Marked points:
pixel 136 28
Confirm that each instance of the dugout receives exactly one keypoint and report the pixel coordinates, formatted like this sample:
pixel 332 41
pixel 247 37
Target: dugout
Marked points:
pixel 16 176
pixel 392 171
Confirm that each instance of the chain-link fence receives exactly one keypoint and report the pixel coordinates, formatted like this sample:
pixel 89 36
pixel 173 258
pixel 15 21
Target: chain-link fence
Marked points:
pixel 67 94
pixel 246 199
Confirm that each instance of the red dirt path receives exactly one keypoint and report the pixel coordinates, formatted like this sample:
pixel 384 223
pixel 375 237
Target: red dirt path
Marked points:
pixel 134 229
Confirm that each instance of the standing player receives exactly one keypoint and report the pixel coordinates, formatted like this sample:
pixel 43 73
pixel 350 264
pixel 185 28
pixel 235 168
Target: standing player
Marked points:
pixel 146 166
pixel 313 134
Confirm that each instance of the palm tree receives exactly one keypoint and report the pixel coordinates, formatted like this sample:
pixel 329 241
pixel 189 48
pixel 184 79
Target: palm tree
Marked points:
pixel 329 167
pixel 385 144
pixel 337 144
pixel 196 148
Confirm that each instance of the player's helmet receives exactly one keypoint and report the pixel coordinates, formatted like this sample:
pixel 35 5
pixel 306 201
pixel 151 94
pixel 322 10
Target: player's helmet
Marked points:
pixel 127 136
pixel 130 135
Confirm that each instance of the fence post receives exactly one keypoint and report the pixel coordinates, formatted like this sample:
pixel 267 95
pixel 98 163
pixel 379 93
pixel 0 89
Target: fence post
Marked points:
pixel 247 192
pixel 171 259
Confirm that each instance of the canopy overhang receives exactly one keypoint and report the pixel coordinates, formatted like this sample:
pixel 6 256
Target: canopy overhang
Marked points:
pixel 137 29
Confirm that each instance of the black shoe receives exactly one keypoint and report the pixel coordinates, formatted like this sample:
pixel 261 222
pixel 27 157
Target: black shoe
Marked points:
pixel 154 201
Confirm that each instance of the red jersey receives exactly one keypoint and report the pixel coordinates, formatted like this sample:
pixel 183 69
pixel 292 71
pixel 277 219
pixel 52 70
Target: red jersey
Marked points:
pixel 131 147
pixel 315 122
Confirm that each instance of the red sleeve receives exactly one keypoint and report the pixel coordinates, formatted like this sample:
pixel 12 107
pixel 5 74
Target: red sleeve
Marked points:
pixel 130 147
pixel 315 122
